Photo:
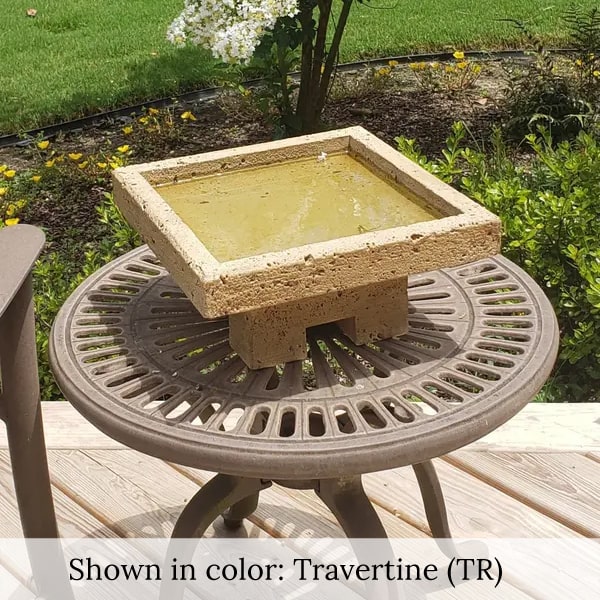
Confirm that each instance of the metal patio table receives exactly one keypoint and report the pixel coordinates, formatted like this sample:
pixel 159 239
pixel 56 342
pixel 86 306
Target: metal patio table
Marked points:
pixel 133 355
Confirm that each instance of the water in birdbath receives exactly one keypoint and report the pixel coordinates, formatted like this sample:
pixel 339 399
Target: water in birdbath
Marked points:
pixel 272 208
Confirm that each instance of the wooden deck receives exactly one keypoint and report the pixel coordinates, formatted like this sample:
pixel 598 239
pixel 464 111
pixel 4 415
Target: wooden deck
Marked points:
pixel 538 476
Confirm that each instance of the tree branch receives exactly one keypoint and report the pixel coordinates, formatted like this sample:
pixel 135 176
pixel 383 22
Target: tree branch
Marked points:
pixel 305 17
pixel 320 41
pixel 332 54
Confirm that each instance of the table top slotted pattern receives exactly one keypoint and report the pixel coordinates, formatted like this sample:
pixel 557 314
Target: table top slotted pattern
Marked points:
pixel 135 357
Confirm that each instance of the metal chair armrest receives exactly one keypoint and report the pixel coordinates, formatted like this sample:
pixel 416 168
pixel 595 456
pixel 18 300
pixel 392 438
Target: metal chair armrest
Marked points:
pixel 20 245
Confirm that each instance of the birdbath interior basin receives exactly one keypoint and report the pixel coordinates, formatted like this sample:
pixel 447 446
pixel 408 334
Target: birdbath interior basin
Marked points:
pixel 289 234
pixel 289 204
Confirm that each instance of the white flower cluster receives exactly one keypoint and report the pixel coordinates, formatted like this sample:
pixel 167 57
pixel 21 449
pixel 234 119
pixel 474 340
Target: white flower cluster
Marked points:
pixel 231 29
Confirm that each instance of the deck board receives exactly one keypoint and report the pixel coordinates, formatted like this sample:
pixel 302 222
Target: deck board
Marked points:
pixel 541 427
pixel 12 587
pixel 174 491
pixel 475 508
pixel 73 520
pixel 108 496
pixel 9 523
pixel 112 498
pixel 594 456
pixel 563 486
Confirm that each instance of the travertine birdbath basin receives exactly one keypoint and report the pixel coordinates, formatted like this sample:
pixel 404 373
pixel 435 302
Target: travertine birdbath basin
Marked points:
pixel 299 232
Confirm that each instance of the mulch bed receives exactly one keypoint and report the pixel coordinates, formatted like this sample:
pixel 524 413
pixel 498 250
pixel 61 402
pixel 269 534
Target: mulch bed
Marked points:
pixel 401 110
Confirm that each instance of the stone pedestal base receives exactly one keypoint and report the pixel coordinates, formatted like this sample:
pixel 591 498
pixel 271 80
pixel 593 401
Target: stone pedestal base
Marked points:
pixel 277 334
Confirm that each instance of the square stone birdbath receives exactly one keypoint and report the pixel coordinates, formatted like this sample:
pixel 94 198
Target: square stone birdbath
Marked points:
pixel 289 234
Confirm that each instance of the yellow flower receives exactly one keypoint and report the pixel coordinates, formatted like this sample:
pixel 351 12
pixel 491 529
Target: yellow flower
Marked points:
pixel 101 165
pixel 21 203
pixel 10 210
pixel 3 191
pixel 393 63
pixel 153 111
pixel 83 164
pixel 477 69
pixel 43 144
pixel 122 149
pixel 75 156
pixel 143 120
pixel 3 168
pixel 462 65
pixel 596 73
pixel 579 62
pixel 382 72
pixel 459 55
pixel 11 222
pixel 114 165
pixel 36 178
pixel 434 65
pixel 10 173
pixel 128 130
pixel 50 163
pixel 188 116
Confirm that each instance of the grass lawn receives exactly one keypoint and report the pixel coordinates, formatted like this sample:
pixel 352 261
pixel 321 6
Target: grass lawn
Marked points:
pixel 76 57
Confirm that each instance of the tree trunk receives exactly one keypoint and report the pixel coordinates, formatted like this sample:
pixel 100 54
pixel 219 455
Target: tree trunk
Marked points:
pixel 318 62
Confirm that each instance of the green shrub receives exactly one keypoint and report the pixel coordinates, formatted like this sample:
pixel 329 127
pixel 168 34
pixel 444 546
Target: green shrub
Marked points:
pixel 65 189
pixel 56 275
pixel 584 39
pixel 560 93
pixel 550 210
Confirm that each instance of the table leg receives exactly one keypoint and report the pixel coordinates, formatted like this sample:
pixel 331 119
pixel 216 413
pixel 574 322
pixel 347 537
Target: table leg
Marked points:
pixel 234 516
pixel 347 500
pixel 435 507
pixel 214 499
pixel 220 494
